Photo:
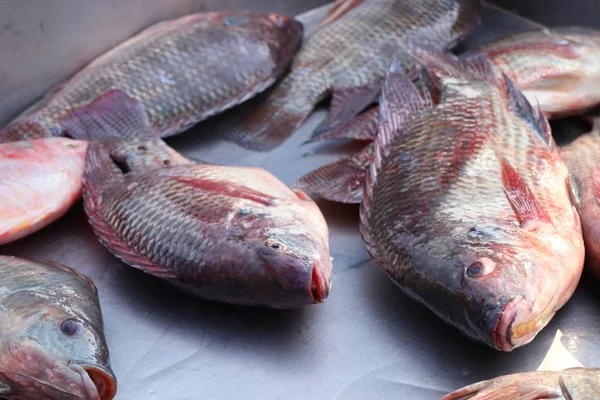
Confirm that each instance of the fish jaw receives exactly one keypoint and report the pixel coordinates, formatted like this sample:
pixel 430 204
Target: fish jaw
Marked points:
pixel 34 370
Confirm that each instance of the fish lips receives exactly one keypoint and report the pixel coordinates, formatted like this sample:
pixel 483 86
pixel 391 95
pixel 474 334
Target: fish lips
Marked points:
pixel 99 382
pixel 517 323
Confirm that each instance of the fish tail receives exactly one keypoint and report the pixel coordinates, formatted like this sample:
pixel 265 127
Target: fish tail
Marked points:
pixel 114 115
pixel 280 114
pixel 361 127
pixel 342 181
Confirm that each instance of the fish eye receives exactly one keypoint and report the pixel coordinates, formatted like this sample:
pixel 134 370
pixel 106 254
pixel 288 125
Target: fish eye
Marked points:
pixel 72 327
pixel 233 20
pixel 275 245
pixel 481 267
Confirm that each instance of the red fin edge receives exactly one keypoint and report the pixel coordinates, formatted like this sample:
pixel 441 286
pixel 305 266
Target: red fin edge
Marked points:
pixel 229 189
pixel 521 199
pixel 339 9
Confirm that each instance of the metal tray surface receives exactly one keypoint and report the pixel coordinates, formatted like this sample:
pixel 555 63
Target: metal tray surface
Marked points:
pixel 368 341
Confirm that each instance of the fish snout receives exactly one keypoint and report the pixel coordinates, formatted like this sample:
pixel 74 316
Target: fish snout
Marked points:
pixel 521 320
pixel 292 27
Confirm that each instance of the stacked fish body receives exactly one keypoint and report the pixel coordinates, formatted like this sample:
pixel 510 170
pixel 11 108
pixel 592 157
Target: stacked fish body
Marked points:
pixel 182 71
pixel 52 343
pixel 570 384
pixel 468 207
pixel 557 70
pixel 229 234
pixel 39 181
pixel 347 57
pixel 582 157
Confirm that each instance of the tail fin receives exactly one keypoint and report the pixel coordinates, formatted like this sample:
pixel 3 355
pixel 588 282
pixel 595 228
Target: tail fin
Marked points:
pixel 346 104
pixel 114 115
pixel 362 127
pixel 342 181
pixel 281 113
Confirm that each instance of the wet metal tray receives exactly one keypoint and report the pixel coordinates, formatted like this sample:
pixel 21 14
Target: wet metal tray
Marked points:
pixel 368 341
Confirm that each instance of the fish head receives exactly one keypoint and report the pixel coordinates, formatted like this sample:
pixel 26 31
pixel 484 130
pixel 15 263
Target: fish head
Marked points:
pixel 59 347
pixel 293 249
pixel 508 283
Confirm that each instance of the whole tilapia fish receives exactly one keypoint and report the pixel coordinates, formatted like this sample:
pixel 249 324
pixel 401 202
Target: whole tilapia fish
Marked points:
pixel 582 157
pixel 347 57
pixel 468 206
pixel 229 234
pixel 52 344
pixel 181 71
pixel 557 70
pixel 569 384
pixel 39 181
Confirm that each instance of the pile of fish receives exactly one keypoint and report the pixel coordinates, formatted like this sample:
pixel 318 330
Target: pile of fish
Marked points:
pixel 466 201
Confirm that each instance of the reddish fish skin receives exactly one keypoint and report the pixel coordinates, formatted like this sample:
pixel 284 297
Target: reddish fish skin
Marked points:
pixel 347 57
pixel 228 234
pixel 39 181
pixel 182 71
pixel 558 68
pixel 468 208
pixel 569 384
pixel 582 157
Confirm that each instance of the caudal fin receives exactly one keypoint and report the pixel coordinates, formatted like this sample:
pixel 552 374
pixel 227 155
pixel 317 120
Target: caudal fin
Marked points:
pixel 114 115
pixel 347 104
pixel 283 110
pixel 342 181
pixel 361 127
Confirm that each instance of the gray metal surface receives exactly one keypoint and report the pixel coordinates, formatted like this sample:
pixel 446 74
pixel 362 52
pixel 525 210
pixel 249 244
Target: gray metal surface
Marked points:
pixel 368 341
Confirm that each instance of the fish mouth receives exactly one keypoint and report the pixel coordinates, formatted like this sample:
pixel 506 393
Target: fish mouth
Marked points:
pixel 319 288
pixel 511 333
pixel 100 384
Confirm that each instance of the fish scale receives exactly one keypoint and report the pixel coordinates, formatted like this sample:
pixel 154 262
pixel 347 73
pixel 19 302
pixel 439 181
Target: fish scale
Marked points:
pixel 478 222
pixel 190 53
pixel 349 51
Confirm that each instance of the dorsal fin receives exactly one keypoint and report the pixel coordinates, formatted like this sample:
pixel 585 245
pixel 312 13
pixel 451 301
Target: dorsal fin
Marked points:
pixel 520 106
pixel 441 64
